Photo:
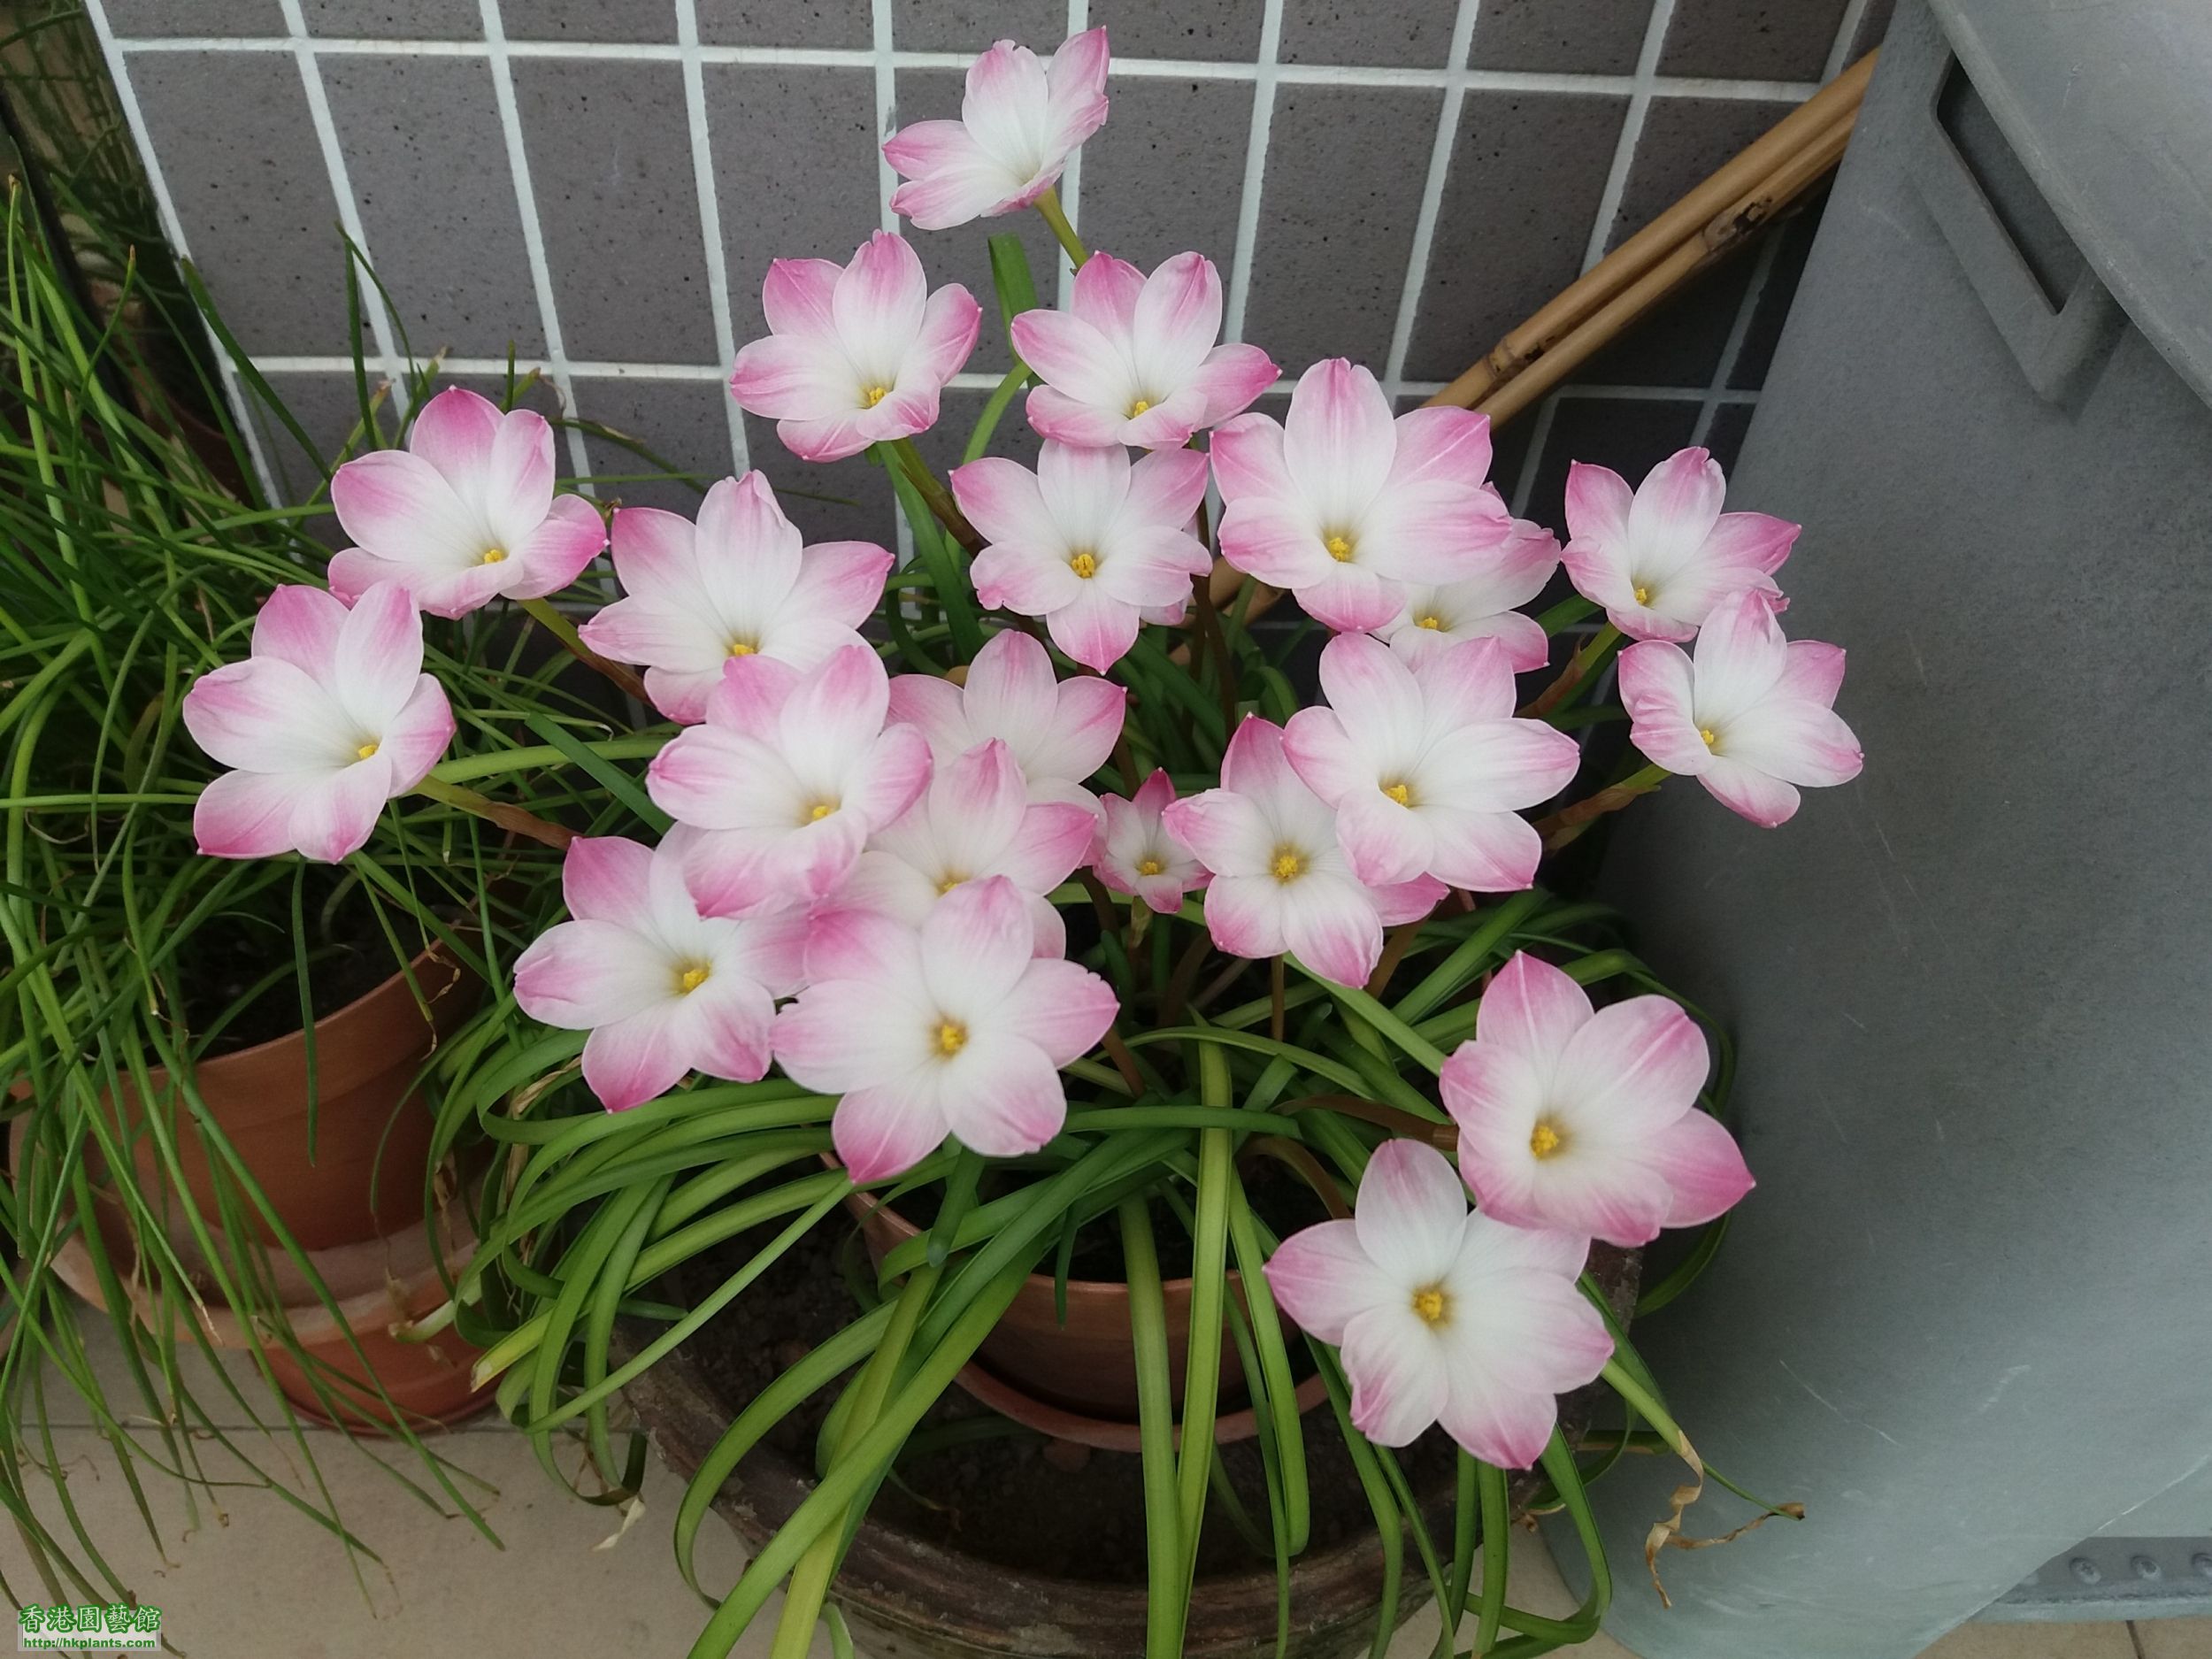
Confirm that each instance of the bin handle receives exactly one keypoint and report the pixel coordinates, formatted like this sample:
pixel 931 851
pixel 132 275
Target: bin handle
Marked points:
pixel 2057 349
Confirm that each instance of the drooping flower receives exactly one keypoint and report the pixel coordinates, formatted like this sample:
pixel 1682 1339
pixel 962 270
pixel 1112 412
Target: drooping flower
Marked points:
pixel 1441 1314
pixel 855 354
pixel 787 779
pixel 1133 359
pixel 1280 880
pixel 1136 853
pixel 464 513
pixel 954 1027
pixel 1348 508
pixel 662 989
pixel 974 821
pixel 329 718
pixel 1087 541
pixel 1023 117
pixel 736 584
pixel 1657 558
pixel 1060 731
pixel 1588 1121
pixel 1425 766
pixel 1484 605
pixel 1751 717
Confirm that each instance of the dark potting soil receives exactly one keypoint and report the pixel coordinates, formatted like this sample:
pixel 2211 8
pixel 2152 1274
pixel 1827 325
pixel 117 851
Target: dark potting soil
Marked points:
pixel 979 1482
pixel 238 950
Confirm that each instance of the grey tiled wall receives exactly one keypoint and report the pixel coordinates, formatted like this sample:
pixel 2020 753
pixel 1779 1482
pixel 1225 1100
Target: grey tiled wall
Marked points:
pixel 597 186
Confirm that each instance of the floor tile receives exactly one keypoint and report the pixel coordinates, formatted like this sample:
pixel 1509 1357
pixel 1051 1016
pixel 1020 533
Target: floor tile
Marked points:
pixel 2174 1637
pixel 2009 1641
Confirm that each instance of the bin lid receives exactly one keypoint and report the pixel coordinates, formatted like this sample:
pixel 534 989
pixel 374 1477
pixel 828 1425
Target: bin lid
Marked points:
pixel 2108 109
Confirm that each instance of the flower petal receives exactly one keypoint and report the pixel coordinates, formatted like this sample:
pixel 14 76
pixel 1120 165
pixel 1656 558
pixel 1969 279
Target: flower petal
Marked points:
pixel 887 1128
pixel 1322 1280
pixel 1531 1009
pixel 1397 1371
pixel 1410 1212
pixel 1002 1096
pixel 1061 1007
pixel 630 1060
pixel 1704 1169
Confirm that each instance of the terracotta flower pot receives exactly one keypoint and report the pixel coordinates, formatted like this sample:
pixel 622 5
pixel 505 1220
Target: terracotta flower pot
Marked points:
pixel 1077 1379
pixel 372 1128
pixel 379 1285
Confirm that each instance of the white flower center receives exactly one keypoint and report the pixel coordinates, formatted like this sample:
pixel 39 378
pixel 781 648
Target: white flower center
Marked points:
pixel 1544 1140
pixel 1339 545
pixel 1150 867
pixel 689 977
pixel 952 1037
pixel 1290 863
pixel 1433 1303
pixel 367 751
pixel 1084 564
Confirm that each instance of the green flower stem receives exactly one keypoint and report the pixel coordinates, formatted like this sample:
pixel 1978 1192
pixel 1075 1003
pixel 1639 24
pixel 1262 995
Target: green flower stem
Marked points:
pixel 986 423
pixel 508 818
pixel 935 495
pixel 538 757
pixel 1049 204
pixel 1166 1600
pixel 542 612
pixel 1577 667
pixel 1563 826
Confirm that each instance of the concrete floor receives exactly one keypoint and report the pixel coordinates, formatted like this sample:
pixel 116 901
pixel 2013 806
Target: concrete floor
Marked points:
pixel 251 1580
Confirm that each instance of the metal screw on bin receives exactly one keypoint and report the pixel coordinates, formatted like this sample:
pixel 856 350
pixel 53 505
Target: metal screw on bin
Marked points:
pixel 2085 1570
pixel 2145 1567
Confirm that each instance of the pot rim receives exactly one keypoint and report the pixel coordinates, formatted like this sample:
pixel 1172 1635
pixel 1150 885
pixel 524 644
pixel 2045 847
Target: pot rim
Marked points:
pixel 434 955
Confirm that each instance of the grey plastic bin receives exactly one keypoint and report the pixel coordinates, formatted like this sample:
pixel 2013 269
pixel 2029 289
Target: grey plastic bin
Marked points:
pixel 1967 1316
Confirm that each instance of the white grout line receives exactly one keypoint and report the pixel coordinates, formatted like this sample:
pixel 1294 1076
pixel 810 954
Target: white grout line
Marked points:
pixel 1539 436
pixel 1152 68
pixel 1432 195
pixel 1632 131
pixel 557 368
pixel 1846 29
pixel 172 227
pixel 1264 72
pixel 1071 178
pixel 1716 393
pixel 349 208
pixel 1731 352
pixel 710 220
pixel 880 58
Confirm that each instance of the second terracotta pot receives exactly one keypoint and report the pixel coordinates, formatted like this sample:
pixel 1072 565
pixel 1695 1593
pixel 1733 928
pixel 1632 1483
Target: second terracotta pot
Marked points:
pixel 1084 1364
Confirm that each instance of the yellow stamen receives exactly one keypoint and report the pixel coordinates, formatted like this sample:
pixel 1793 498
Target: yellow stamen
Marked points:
pixel 949 884
pixel 871 396
pixel 1340 548
pixel 494 555
pixel 1084 564
pixel 951 1038
pixel 1139 407
pixel 1428 622
pixel 1151 867
pixel 366 751
pixel 690 979
pixel 1710 736
pixel 1544 1141
pixel 739 647
pixel 1643 593
pixel 820 810
pixel 1288 866
pixel 1430 1302
pixel 1403 794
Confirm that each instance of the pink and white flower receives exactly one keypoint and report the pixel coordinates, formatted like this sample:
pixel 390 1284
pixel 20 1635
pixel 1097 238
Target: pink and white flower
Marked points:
pixel 736 584
pixel 974 821
pixel 1751 716
pixel 329 718
pixel 662 989
pixel 952 1028
pixel 1060 731
pixel 1588 1121
pixel 1280 880
pixel 464 513
pixel 1441 1314
pixel 1087 541
pixel 1020 121
pixel 1660 556
pixel 1483 605
pixel 1425 766
pixel 1348 508
pixel 1137 854
pixel 791 774
pixel 1133 359
pixel 855 354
